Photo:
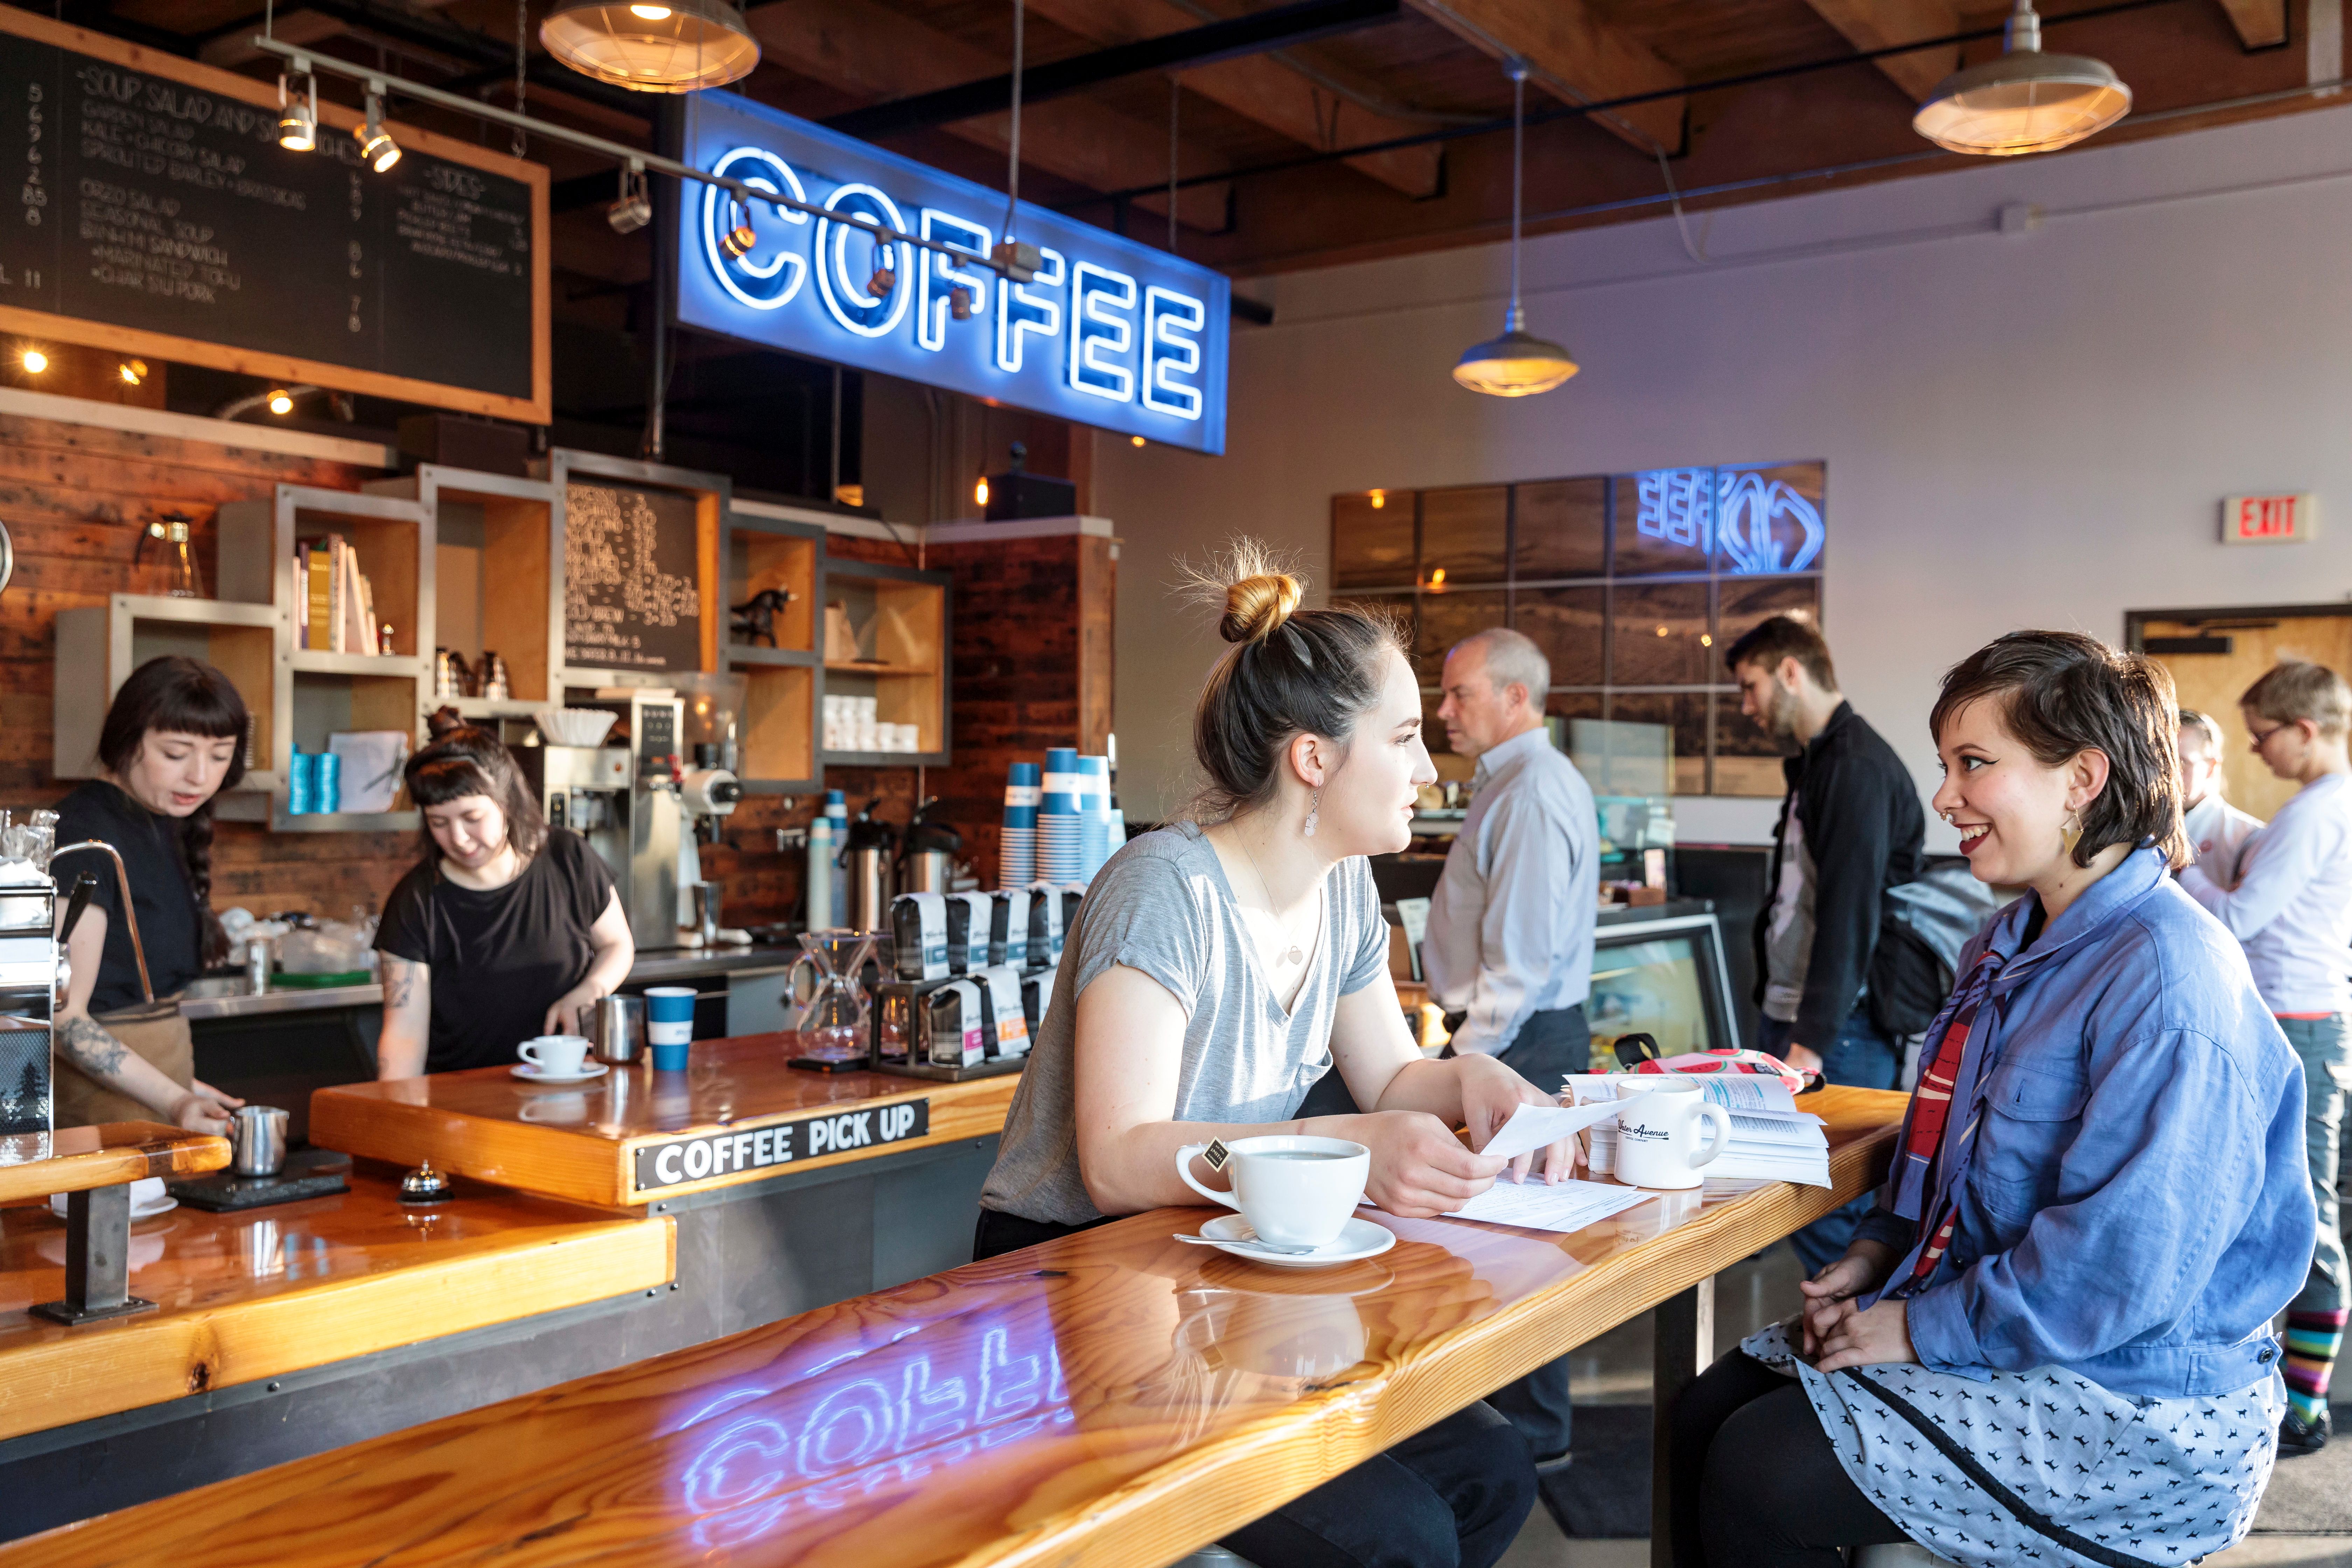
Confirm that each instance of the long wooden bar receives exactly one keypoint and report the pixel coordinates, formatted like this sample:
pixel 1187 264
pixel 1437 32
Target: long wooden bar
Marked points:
pixel 256 1294
pixel 1115 1397
pixel 78 1159
pixel 722 1122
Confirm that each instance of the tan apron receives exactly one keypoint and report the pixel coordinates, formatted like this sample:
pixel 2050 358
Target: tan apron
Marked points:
pixel 153 1031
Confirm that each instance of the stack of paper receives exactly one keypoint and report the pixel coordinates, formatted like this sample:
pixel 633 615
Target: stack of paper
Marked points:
pixel 1771 1139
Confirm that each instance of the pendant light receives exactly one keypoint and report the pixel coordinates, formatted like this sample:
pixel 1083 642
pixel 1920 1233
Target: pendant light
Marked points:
pixel 2025 101
pixel 679 45
pixel 298 119
pixel 1518 363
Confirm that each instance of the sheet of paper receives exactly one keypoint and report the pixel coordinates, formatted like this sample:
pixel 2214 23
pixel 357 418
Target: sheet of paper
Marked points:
pixel 1537 1205
pixel 1533 1126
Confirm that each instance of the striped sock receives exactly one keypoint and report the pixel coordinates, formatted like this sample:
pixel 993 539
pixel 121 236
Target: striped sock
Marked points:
pixel 2313 1340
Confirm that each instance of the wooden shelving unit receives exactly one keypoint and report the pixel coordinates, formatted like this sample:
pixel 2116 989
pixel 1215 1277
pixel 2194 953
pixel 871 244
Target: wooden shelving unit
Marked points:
pixel 899 615
pixel 763 547
pixel 475 562
pixel 317 691
pixel 100 644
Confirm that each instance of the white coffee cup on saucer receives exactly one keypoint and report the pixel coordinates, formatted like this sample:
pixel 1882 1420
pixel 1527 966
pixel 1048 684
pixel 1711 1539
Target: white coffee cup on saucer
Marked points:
pixel 1657 1130
pixel 558 1055
pixel 1294 1192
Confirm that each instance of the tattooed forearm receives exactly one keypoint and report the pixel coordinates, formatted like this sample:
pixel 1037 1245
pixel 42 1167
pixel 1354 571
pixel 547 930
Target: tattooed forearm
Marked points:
pixel 403 979
pixel 91 1048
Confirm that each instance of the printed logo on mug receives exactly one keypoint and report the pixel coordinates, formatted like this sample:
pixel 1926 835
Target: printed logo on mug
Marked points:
pixel 1657 1130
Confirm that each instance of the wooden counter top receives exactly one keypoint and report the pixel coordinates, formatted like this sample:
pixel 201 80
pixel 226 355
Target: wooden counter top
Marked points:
pixel 1114 1398
pixel 632 1136
pixel 255 1295
pixel 78 1159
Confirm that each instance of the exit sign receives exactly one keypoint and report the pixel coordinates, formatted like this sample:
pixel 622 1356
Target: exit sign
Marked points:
pixel 2269 520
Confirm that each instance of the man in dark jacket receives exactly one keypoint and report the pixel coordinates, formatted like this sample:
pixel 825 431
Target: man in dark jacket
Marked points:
pixel 1850 827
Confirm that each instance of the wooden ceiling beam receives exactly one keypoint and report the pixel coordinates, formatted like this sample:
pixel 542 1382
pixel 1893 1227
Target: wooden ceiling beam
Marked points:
pixel 1883 23
pixel 1263 89
pixel 868 50
pixel 1578 57
pixel 2260 24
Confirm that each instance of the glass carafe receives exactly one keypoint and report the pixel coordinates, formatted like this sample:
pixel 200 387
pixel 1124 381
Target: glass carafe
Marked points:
pixel 832 1022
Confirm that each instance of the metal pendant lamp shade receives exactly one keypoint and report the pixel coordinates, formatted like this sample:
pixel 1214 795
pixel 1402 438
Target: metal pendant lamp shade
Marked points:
pixel 2025 101
pixel 1518 363
pixel 672 46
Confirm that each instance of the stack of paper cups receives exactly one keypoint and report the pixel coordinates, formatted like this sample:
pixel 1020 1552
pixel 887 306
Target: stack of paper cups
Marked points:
pixel 1094 815
pixel 1060 851
pixel 1016 856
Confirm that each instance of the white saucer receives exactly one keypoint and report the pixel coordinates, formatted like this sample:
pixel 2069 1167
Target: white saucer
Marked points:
pixel 1359 1239
pixel 531 1074
pixel 138 1213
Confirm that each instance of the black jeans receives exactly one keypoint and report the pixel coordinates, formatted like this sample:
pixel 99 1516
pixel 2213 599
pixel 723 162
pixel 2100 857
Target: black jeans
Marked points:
pixel 1756 1483
pixel 1451 1497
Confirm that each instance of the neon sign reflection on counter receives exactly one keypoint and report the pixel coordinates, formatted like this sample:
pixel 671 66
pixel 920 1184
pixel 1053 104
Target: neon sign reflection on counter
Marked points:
pixel 1109 332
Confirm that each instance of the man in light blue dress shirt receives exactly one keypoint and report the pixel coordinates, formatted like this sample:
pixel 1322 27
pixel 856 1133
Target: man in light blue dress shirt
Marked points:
pixel 1510 927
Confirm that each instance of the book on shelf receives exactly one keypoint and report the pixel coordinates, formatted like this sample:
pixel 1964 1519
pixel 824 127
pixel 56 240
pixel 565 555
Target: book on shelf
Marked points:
pixel 1771 1139
pixel 335 610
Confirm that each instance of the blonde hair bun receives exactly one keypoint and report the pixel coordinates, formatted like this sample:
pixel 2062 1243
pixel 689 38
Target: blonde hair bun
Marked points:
pixel 1257 606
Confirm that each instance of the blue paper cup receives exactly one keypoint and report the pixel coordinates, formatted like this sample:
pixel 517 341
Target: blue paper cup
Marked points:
pixel 669 1025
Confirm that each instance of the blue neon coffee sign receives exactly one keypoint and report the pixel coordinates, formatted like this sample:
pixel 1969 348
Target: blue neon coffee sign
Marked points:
pixel 1109 332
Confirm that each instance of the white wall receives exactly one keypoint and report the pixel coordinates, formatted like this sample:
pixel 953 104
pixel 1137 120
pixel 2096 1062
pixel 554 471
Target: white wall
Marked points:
pixel 2029 429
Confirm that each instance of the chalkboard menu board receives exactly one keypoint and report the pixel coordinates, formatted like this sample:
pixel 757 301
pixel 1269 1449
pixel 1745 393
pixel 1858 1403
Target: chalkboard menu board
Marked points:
pixel 631 596
pixel 145 206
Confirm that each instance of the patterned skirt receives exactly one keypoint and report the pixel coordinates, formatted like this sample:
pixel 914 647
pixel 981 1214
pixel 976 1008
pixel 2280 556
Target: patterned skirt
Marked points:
pixel 2043 1467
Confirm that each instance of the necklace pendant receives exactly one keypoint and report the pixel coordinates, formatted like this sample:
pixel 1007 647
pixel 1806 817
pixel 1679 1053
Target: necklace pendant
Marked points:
pixel 1293 955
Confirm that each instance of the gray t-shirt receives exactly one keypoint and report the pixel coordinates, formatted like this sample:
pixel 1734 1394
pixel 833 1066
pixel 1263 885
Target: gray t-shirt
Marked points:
pixel 1162 905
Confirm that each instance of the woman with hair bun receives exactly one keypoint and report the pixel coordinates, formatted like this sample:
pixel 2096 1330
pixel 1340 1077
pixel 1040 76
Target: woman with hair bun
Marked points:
pixel 1220 967
pixel 2051 1340
pixel 506 929
pixel 173 740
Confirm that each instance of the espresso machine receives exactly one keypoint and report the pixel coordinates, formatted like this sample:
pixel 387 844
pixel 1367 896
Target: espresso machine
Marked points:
pixel 623 797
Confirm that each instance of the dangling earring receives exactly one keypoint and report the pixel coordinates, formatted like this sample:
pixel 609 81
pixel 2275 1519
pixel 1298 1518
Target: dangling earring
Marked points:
pixel 1314 810
pixel 2072 833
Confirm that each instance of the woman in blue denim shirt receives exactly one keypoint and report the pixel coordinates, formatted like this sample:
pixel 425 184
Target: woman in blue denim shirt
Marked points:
pixel 2051 1341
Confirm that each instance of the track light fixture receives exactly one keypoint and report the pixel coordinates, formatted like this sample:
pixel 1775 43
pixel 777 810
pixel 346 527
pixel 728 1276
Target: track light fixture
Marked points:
pixel 741 236
pixel 960 303
pixel 376 144
pixel 34 360
pixel 883 280
pixel 635 209
pixel 980 491
pixel 134 371
pixel 297 110
pixel 281 401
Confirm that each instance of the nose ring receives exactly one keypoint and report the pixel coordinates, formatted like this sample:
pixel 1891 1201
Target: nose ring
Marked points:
pixel 1946 816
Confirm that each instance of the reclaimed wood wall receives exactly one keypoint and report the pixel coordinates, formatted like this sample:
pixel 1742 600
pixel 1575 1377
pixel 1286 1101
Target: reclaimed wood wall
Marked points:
pixel 76 499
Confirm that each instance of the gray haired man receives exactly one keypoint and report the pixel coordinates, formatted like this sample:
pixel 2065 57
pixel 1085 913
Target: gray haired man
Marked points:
pixel 1511 928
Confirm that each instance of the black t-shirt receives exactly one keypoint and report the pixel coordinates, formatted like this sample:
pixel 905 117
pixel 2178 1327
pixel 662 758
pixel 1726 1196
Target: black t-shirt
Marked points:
pixel 500 958
pixel 150 845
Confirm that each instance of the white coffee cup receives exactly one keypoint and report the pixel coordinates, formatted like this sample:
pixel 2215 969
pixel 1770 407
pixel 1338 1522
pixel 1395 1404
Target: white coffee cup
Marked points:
pixel 1294 1192
pixel 558 1056
pixel 1657 1130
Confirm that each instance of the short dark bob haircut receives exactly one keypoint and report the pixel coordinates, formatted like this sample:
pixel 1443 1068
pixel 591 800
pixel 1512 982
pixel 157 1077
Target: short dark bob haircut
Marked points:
pixel 465 760
pixel 2061 694
pixel 177 695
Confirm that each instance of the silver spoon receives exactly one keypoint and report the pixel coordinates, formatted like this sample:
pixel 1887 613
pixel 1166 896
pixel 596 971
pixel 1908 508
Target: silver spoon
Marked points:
pixel 1255 1244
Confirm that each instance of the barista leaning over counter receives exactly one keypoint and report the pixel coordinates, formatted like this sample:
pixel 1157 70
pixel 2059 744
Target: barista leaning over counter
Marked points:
pixel 506 928
pixel 173 738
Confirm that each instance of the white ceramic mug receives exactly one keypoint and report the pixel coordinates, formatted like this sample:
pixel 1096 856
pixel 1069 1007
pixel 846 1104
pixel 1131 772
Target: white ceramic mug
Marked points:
pixel 558 1055
pixel 1294 1192
pixel 1657 1130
